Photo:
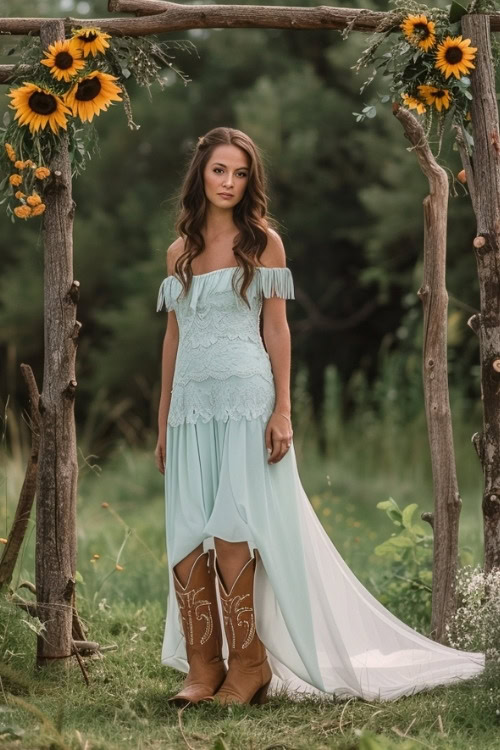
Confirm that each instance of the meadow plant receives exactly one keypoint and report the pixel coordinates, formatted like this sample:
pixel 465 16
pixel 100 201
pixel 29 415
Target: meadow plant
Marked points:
pixel 476 623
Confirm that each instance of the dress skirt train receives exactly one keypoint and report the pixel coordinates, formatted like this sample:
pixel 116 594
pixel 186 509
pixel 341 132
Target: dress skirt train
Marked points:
pixel 324 632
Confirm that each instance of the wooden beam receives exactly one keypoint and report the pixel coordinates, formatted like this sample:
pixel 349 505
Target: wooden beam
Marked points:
pixel 156 16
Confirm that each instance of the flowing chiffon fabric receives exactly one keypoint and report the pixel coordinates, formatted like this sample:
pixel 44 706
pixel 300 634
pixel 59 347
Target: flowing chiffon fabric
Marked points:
pixel 324 632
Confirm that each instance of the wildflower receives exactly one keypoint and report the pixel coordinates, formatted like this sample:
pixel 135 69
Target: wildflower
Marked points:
pixel 96 556
pixel 3 540
pixel 38 209
pixel 10 152
pixel 118 567
pixel 33 199
pixel 19 194
pixel 104 505
pixel 419 31
pixel 455 55
pixel 19 164
pixel 15 179
pixel 42 172
pixel 23 212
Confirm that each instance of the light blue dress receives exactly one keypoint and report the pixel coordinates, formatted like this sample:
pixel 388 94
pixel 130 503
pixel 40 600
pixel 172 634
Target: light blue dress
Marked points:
pixel 323 630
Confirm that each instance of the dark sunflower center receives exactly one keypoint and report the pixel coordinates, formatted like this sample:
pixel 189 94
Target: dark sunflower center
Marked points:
pixel 422 30
pixel 439 94
pixel 42 104
pixel 453 55
pixel 88 89
pixel 64 60
pixel 90 37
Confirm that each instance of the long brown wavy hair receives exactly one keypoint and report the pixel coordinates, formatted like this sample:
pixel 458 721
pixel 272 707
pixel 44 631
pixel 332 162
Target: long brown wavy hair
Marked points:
pixel 250 215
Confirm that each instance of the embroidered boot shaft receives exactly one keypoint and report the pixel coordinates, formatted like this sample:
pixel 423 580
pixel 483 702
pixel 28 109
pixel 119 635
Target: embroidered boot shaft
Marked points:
pixel 249 673
pixel 199 616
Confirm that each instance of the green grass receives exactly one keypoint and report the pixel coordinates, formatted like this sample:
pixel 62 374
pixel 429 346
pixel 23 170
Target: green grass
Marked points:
pixel 380 452
pixel 126 706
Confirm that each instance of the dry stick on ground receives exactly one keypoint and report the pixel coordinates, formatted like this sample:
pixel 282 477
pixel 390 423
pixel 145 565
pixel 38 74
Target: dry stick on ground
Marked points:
pixel 434 298
pixel 27 496
pixel 486 185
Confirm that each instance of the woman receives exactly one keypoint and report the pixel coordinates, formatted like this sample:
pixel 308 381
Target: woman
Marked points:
pixel 290 613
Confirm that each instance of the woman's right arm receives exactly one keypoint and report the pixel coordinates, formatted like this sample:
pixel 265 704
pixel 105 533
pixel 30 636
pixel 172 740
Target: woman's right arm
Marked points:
pixel 169 355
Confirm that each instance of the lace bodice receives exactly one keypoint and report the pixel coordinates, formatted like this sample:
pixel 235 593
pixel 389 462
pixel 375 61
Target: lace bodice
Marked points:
pixel 222 369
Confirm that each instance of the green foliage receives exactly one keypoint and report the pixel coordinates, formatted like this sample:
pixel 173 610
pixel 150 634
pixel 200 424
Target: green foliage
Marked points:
pixel 407 584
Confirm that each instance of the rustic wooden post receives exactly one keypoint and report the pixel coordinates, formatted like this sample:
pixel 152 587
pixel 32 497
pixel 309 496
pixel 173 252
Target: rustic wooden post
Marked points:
pixel 58 467
pixel 483 173
pixel 434 297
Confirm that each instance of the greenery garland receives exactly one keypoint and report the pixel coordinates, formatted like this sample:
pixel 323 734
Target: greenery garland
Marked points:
pixel 76 80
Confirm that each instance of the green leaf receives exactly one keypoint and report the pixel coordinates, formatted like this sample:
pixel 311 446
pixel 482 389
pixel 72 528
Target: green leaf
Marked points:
pixel 408 514
pixel 456 11
pixel 79 577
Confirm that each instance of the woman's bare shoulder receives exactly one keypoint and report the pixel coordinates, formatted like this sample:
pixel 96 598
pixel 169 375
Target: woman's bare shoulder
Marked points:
pixel 274 255
pixel 173 252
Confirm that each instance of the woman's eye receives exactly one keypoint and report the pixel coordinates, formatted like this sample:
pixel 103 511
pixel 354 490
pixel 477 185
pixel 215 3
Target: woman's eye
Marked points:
pixel 240 174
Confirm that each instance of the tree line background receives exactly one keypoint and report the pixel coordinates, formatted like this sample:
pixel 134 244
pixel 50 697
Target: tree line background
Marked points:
pixel 348 197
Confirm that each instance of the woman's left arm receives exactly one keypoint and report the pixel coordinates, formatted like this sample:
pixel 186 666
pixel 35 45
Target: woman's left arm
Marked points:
pixel 276 335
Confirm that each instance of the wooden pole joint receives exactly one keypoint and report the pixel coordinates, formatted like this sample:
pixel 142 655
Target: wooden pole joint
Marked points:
pixel 70 390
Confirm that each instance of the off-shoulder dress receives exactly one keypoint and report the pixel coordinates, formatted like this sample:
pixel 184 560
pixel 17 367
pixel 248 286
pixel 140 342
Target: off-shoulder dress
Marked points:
pixel 324 632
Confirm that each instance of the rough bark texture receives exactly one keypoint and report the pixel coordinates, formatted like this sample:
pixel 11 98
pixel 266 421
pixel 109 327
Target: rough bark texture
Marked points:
pixel 166 16
pixel 434 297
pixel 485 178
pixel 27 496
pixel 58 469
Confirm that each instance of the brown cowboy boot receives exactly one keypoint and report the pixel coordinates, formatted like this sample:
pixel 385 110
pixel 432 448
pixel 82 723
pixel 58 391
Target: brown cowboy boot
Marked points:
pixel 249 672
pixel 199 613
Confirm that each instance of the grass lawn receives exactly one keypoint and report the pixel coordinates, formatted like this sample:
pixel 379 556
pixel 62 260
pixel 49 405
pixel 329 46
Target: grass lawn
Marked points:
pixel 125 704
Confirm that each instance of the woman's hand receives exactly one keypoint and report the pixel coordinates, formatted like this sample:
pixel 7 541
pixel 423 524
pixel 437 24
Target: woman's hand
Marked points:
pixel 161 452
pixel 279 435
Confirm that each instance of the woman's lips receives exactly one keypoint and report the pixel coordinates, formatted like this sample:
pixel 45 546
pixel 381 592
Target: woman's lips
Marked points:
pixel 226 195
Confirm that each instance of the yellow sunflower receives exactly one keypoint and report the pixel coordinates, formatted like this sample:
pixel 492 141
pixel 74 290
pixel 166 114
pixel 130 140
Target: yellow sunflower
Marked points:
pixel 411 102
pixel 419 31
pixel 455 55
pixel 434 95
pixel 90 40
pixel 92 94
pixel 64 59
pixel 36 107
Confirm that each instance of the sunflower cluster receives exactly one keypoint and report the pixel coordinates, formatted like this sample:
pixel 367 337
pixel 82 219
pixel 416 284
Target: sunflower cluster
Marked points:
pixel 90 92
pixel 452 56
pixel 73 89
pixel 426 61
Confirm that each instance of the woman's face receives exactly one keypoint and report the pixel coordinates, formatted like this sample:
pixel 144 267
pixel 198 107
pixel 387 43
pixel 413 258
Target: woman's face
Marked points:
pixel 226 175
